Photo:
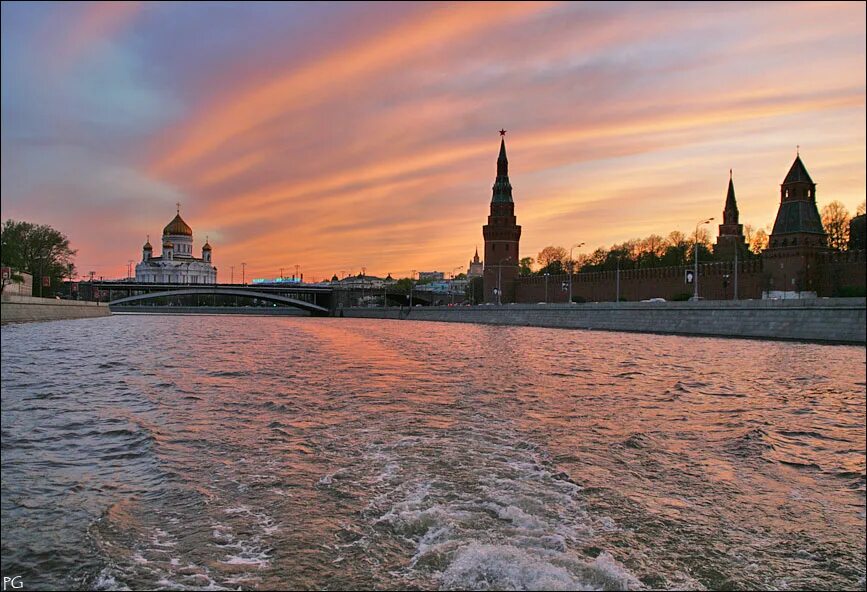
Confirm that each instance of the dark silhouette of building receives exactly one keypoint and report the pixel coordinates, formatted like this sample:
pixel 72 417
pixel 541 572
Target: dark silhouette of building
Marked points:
pixel 797 239
pixel 731 232
pixel 797 264
pixel 502 235
pixel 858 233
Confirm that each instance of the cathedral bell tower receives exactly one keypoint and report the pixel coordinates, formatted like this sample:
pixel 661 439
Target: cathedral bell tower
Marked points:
pixel 502 235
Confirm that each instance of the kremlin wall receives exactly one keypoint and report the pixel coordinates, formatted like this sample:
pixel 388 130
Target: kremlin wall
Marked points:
pixel 797 264
pixel 836 275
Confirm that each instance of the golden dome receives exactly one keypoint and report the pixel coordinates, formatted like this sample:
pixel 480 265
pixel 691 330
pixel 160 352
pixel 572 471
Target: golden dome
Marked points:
pixel 207 247
pixel 178 226
pixel 147 246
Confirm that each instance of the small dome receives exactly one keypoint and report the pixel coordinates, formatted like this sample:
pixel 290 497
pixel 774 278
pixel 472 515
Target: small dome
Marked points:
pixel 178 227
pixel 207 247
pixel 147 246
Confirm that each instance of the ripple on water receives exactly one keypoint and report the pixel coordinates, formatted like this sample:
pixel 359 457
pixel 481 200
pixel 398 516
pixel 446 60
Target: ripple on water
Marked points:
pixel 340 453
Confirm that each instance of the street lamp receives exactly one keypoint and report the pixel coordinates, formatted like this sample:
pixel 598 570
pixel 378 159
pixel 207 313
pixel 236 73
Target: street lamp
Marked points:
pixel 546 287
pixel 500 280
pixel 411 285
pixel 617 281
pixel 452 286
pixel 572 267
pixel 243 273
pixel 695 275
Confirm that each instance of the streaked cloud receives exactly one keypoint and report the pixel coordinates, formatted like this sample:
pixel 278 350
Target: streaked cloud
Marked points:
pixel 367 136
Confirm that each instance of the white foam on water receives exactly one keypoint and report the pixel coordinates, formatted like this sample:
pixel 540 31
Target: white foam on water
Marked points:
pixel 510 520
pixel 161 538
pixel 258 560
pixel 328 478
pixel 106 581
pixel 502 567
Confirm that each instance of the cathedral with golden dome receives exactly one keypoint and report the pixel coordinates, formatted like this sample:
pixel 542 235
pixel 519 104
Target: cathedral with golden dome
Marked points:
pixel 176 265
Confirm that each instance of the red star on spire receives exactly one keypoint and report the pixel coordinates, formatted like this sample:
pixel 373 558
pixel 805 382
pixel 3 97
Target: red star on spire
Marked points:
pixel 502 132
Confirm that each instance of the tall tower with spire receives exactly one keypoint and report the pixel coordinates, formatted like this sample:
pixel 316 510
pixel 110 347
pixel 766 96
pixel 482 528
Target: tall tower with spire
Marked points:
pixel 476 267
pixel 798 237
pixel 502 235
pixel 731 232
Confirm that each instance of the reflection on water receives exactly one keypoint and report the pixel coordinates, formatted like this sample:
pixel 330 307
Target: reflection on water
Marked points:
pixel 226 453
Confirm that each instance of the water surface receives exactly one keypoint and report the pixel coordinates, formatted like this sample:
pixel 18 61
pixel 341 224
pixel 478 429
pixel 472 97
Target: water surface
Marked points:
pixel 248 452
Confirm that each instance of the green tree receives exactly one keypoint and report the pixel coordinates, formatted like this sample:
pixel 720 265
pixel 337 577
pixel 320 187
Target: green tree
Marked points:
pixel 39 250
pixel 526 266
pixel 401 286
pixel 475 290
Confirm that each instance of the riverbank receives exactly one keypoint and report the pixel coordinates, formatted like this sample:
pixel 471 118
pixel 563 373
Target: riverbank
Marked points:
pixel 259 311
pixel 822 320
pixel 27 309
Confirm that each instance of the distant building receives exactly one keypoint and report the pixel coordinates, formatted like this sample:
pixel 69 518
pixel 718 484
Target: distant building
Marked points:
pixel 476 268
pixel 176 265
pixel 731 238
pixel 858 233
pixel 439 287
pixel 431 276
pixel 502 235
pixel 797 240
pixel 22 288
pixel 362 281
pixel 444 287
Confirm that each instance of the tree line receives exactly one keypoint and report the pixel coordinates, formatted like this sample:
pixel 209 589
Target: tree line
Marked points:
pixel 676 249
pixel 36 249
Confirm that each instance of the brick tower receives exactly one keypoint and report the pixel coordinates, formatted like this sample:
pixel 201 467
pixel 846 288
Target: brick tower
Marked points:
pixel 731 232
pixel 502 235
pixel 798 238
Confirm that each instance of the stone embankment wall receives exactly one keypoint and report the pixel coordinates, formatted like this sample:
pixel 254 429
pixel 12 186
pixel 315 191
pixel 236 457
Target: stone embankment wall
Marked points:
pixel 838 320
pixel 25 309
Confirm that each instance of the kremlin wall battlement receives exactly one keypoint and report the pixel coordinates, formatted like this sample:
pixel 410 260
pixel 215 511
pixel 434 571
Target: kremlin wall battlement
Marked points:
pixel 836 275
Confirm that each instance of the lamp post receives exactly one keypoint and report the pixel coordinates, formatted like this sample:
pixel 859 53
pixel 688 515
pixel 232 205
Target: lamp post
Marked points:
pixel 617 282
pixel 243 273
pixel 452 286
pixel 411 286
pixel 546 287
pixel 695 275
pixel 572 268
pixel 500 280
pixel 735 297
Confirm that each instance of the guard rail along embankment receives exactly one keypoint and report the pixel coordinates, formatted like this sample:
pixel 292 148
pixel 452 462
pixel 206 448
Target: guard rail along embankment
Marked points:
pixel 25 309
pixel 829 320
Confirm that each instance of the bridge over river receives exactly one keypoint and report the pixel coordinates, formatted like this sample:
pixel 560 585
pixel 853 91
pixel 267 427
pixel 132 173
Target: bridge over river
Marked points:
pixel 314 299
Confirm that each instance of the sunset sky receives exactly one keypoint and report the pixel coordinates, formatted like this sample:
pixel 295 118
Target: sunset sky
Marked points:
pixel 337 136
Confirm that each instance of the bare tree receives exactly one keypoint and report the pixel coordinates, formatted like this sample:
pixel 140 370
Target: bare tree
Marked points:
pixel 835 219
pixel 549 255
pixel 759 241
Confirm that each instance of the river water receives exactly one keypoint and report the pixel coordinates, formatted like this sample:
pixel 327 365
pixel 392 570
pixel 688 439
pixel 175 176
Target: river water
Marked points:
pixel 213 452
